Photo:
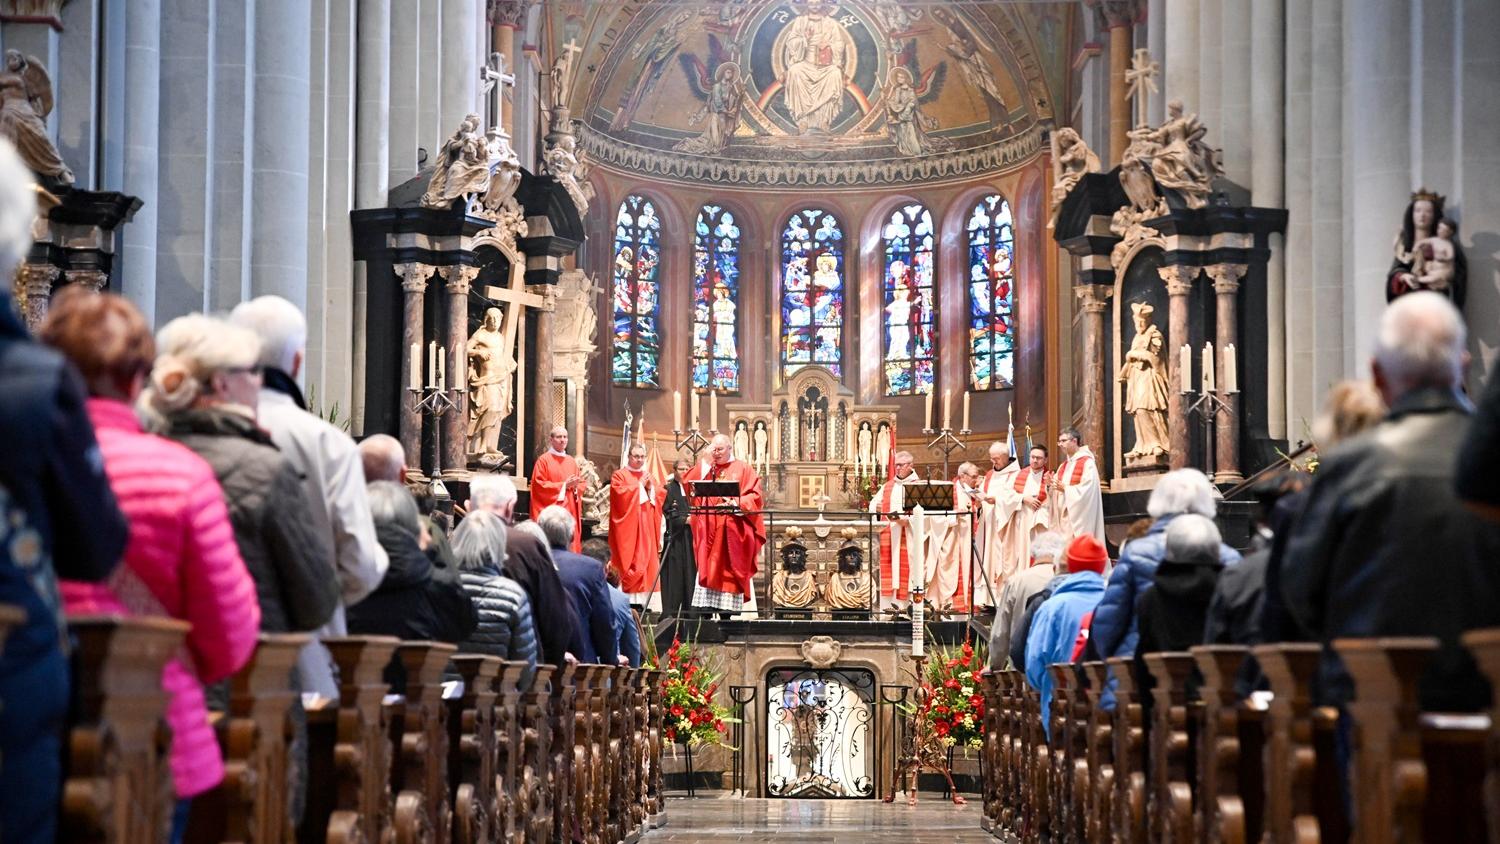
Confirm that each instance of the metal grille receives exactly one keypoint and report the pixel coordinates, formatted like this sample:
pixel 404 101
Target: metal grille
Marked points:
pixel 819 733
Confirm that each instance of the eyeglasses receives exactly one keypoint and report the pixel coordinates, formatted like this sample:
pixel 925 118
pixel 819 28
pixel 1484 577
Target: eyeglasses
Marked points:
pixel 242 370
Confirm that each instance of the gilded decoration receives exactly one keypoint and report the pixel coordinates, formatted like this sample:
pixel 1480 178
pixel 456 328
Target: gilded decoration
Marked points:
pixel 809 93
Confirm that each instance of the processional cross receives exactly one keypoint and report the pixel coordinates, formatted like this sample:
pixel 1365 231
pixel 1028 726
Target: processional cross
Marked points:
pixel 1141 77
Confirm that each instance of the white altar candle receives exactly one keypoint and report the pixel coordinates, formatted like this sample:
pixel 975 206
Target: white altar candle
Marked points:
pixel 432 364
pixel 966 411
pixel 1185 368
pixel 947 409
pixel 694 410
pixel 677 410
pixel 414 381
pixel 713 410
pixel 442 370
pixel 918 622
pixel 1231 376
pixel 1208 367
pixel 928 426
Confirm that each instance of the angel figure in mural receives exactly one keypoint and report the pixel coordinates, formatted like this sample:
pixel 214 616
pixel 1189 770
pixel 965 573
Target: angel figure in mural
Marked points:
pixel 491 367
pixel 657 52
pixel 816 55
pixel 462 168
pixel 904 119
pixel 723 98
pixel 1183 162
pixel 1145 378
pixel 25 102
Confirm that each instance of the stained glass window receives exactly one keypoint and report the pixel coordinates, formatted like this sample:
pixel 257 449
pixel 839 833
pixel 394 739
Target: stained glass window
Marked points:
pixel 909 328
pixel 812 291
pixel 716 296
pixel 992 298
pixel 637 345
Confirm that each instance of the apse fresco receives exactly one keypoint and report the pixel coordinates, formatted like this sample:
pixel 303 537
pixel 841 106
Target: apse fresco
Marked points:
pixel 992 299
pixel 637 343
pixel 909 309
pixel 716 296
pixel 812 292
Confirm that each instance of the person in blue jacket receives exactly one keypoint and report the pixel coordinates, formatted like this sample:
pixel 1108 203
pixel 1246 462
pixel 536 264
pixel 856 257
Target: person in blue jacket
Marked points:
pixel 1116 629
pixel 1054 628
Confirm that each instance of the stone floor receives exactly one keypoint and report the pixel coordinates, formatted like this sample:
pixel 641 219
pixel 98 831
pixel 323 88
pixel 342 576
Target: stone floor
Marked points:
pixel 722 819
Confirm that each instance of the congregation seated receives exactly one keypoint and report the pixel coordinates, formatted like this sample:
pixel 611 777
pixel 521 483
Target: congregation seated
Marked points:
pixel 416 600
pixel 583 577
pixel 1055 628
pixel 1011 616
pixel 506 628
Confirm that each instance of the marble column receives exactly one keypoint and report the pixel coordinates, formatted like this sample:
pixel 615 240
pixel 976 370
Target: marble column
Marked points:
pixel 455 453
pixel 1234 114
pixel 1179 281
pixel 414 287
pixel 372 169
pixel 1227 423
pixel 405 127
pixel 1180 67
pixel 429 69
pixel 1119 16
pixel 1156 42
pixel 1268 118
pixel 35 282
pixel 138 88
pixel 281 140
pixel 1093 300
pixel 541 375
pixel 460 88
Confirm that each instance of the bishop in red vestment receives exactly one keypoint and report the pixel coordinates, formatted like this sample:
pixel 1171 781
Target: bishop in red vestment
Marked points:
pixel 727 543
pixel 635 501
pixel 555 480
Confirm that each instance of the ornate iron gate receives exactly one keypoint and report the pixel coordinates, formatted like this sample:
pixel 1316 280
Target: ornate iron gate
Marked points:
pixel 820 733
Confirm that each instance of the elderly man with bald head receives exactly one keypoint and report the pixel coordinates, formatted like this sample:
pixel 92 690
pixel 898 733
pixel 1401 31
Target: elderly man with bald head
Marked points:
pixel 555 479
pixel 727 540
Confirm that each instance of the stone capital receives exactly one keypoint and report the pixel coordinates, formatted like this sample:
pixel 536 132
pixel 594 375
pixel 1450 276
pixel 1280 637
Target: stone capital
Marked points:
pixel 459 277
pixel 1226 276
pixel 548 294
pixel 94 280
pixel 1093 298
pixel 1179 279
pixel 414 276
pixel 1118 12
pixel 506 12
pixel 37 279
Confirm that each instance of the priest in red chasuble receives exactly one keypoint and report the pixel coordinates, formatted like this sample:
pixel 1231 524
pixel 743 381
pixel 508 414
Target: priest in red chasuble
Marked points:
pixel 635 501
pixel 555 480
pixel 727 543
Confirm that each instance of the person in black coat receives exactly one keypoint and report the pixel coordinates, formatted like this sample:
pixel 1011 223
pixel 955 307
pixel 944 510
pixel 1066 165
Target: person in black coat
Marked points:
pixel 417 600
pixel 584 579
pixel 679 573
pixel 58 518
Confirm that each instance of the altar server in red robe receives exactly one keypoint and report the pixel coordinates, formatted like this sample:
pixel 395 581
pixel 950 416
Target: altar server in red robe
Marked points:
pixel 727 543
pixel 555 480
pixel 635 501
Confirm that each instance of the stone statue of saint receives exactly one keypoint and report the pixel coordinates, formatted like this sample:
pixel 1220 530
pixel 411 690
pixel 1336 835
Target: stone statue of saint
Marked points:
pixel 1183 162
pixel 491 366
pixel 1071 158
pixel 462 168
pixel 25 102
pixel 741 441
pixel 864 454
pixel 761 437
pixel 1145 379
pixel 882 448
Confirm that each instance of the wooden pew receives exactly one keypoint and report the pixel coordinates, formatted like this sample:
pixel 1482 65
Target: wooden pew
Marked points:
pixel 1170 797
pixel 117 783
pixel 1067 749
pixel 1128 735
pixel 1098 755
pixel 256 733
pixel 640 749
pixel 473 737
pixel 990 752
pixel 560 773
pixel 1292 755
pixel 588 683
pixel 420 776
pixel 349 748
pixel 1222 817
pixel 655 804
pixel 512 784
pixel 1485 646
pixel 537 807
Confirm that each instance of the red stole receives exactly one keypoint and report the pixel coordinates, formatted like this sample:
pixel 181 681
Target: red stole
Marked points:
pixel 728 545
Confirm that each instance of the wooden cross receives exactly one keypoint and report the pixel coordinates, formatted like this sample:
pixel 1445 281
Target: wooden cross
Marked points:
pixel 495 80
pixel 1142 80
pixel 570 51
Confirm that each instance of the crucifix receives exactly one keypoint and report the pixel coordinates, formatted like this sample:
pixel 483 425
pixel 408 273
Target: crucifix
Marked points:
pixel 493 81
pixel 516 299
pixel 1141 77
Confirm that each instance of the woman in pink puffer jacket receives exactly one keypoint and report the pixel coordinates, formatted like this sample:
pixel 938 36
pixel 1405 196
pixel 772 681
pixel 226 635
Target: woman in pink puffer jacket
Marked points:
pixel 181 560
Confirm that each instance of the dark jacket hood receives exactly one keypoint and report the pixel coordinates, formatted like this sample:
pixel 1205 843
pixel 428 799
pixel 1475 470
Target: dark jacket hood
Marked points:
pixel 409 564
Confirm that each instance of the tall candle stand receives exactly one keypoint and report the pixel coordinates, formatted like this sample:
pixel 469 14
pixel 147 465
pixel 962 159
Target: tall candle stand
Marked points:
pixel 690 440
pixel 945 443
pixel 1207 407
pixel 434 401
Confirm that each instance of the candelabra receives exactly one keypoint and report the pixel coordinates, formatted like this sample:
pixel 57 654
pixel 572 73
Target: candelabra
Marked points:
pixel 1207 407
pixel 690 440
pixel 945 443
pixel 432 399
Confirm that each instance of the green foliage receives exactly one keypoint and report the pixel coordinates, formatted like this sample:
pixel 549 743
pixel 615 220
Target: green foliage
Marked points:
pixel 329 414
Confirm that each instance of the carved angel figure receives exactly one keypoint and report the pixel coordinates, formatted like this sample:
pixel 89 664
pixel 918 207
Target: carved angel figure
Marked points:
pixel 1183 161
pixel 463 166
pixel 25 102
pixel 562 162
pixel 1071 158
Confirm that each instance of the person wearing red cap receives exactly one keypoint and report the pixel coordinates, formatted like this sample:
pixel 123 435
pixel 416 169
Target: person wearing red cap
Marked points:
pixel 1054 628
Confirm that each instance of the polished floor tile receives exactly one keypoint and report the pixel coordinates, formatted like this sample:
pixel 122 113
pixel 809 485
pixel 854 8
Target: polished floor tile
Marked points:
pixel 719 818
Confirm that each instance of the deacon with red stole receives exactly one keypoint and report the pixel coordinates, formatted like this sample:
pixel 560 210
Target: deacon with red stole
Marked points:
pixel 1023 512
pixel 948 581
pixel 1075 489
pixel 1001 476
pixel 727 543
pixel 899 543
pixel 635 502
pixel 555 480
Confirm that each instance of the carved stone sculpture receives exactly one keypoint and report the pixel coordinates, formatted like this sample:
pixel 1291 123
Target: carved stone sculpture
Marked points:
pixel 1145 378
pixel 575 322
pixel 492 369
pixel 25 102
pixel 562 162
pixel 849 587
pixel 1071 158
pixel 462 167
pixel 1183 162
pixel 596 500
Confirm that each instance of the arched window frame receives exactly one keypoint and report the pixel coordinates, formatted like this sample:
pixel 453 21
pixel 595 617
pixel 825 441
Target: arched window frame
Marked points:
pixel 716 264
pixel 636 295
pixel 910 321
pixel 809 234
pixel 991 240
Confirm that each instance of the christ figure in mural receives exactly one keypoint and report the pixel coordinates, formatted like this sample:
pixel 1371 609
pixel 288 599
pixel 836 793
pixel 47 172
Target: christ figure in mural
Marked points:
pixel 817 67
pixel 820 296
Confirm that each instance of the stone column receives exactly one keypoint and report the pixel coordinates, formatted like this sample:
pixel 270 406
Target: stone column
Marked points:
pixel 1327 198
pixel 1120 15
pixel 1210 66
pixel 1268 120
pixel 35 282
pixel 1179 280
pixel 506 17
pixel 1156 42
pixel 138 132
pixel 372 166
pixel 414 286
pixel 1227 424
pixel 1234 114
pixel 455 451
pixel 1180 69
pixel 460 62
pixel 282 140
pixel 541 375
pixel 1093 299
pixel 405 127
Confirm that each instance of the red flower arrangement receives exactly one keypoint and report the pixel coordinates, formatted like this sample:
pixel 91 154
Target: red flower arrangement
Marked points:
pixel 951 703
pixel 688 688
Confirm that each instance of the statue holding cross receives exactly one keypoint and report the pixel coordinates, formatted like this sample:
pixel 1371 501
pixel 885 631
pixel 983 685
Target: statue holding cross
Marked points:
pixel 562 75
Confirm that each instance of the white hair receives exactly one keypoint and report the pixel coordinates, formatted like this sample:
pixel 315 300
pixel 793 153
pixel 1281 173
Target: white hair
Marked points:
pixel 534 530
pixel 903 456
pixel 1047 546
pixel 281 327
pixel 1421 342
pixel 190 349
pixel 392 503
pixel 479 542
pixel 1182 491
pixel 496 492
pixel 1192 538
pixel 556 524
pixel 18 209
pixel 383 457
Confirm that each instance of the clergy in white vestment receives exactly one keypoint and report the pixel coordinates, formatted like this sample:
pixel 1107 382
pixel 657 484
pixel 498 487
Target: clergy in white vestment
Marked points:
pixel 900 545
pixel 1079 507
pixel 952 554
pixel 1022 505
pixel 1001 476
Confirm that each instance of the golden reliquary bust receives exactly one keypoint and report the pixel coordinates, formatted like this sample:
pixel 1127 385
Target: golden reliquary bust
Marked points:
pixel 849 587
pixel 793 585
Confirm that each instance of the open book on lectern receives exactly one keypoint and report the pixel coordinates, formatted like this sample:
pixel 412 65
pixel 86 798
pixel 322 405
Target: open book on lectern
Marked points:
pixel 716 489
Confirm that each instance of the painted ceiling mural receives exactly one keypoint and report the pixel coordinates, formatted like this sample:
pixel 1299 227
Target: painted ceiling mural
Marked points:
pixel 812 92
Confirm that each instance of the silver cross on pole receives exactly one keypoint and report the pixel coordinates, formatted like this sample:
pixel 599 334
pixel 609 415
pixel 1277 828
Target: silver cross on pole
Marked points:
pixel 493 80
